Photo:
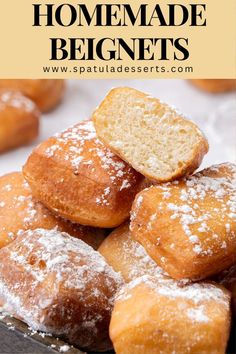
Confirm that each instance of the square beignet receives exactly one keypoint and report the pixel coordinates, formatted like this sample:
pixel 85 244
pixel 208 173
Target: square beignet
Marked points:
pixel 154 138
pixel 59 285
pixel 189 226
pixel 19 120
pixel 159 317
pixel 127 256
pixel 79 178
pixel 47 94
pixel 18 204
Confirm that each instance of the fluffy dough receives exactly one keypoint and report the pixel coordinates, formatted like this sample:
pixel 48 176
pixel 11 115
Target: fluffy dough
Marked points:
pixel 19 120
pixel 151 136
pixel 215 85
pixel 19 211
pixel 155 317
pixel 127 256
pixel 76 176
pixel 60 285
pixel 189 226
pixel 47 94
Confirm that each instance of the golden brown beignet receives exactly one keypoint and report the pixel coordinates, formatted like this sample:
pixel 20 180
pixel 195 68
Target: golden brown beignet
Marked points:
pixel 189 226
pixel 154 138
pixel 75 175
pixel 58 284
pixel 215 85
pixel 19 120
pixel 19 211
pixel 153 317
pixel 47 94
pixel 127 256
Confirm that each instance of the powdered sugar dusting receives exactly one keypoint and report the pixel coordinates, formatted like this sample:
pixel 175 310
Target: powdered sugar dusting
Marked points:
pixel 41 255
pixel 197 295
pixel 197 221
pixel 16 100
pixel 80 147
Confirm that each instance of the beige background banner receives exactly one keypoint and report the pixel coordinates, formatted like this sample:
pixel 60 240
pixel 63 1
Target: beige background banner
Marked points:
pixel 26 50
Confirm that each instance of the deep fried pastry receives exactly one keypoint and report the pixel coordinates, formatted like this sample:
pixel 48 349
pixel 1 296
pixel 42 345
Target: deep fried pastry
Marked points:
pixel 60 285
pixel 127 256
pixel 215 85
pixel 148 134
pixel 47 94
pixel 189 226
pixel 76 176
pixel 19 211
pixel 19 120
pixel 155 317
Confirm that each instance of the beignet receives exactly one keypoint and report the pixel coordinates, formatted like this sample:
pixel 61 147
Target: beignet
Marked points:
pixel 76 176
pixel 153 317
pixel 59 285
pixel 215 85
pixel 127 256
pixel 189 226
pixel 47 94
pixel 19 211
pixel 151 136
pixel 19 120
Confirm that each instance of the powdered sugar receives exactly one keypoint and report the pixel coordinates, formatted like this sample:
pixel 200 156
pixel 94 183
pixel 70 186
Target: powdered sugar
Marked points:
pixel 216 183
pixel 74 266
pixel 79 147
pixel 16 100
pixel 197 295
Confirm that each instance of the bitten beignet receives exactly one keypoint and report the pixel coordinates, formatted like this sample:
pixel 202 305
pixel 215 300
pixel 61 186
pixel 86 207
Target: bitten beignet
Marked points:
pixel 189 226
pixel 60 285
pixel 19 212
pixel 127 256
pixel 215 85
pixel 47 94
pixel 19 120
pixel 79 178
pixel 153 317
pixel 150 135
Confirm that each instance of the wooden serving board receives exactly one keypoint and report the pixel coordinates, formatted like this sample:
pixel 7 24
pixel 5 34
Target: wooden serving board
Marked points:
pixel 17 338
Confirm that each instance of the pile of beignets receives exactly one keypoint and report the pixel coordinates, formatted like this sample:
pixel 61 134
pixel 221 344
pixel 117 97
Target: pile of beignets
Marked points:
pixel 21 104
pixel 111 240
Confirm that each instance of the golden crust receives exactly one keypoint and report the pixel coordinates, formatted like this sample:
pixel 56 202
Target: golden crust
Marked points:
pixel 18 204
pixel 19 120
pixel 215 85
pixel 153 317
pixel 184 167
pixel 127 256
pixel 47 94
pixel 76 176
pixel 60 285
pixel 189 226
